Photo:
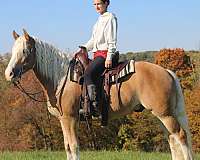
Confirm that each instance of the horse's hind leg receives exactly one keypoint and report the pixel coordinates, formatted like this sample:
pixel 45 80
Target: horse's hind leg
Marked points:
pixel 170 141
pixel 178 139
pixel 68 125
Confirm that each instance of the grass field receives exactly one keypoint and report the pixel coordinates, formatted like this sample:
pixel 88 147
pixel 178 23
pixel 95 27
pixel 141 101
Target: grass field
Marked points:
pixel 101 155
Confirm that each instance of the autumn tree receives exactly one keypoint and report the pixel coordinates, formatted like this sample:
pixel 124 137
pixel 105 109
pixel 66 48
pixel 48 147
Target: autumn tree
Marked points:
pixel 26 124
pixel 179 62
pixel 193 111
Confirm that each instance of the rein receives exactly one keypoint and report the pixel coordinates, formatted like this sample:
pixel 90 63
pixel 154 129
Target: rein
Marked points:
pixel 30 95
pixel 21 88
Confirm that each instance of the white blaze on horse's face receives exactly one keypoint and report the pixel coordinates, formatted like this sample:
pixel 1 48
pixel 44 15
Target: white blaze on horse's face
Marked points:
pixel 17 58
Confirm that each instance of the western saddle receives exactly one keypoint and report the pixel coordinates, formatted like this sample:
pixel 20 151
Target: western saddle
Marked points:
pixel 110 76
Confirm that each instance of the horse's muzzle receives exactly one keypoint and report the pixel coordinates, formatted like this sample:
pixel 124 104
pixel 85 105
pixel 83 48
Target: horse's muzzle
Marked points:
pixel 9 74
pixel 13 74
pixel 17 73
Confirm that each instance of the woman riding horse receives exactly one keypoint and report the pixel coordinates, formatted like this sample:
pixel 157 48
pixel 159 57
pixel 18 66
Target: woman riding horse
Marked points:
pixel 103 44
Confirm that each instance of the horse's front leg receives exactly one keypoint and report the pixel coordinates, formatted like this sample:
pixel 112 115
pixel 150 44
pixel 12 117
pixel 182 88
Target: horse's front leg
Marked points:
pixel 69 128
pixel 66 143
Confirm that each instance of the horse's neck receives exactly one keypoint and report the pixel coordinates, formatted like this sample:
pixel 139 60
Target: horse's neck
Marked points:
pixel 51 65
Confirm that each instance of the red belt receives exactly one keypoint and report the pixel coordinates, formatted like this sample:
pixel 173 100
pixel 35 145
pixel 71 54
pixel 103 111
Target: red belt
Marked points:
pixel 101 53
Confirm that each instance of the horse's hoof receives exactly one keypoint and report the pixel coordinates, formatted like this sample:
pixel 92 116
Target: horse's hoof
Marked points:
pixel 96 117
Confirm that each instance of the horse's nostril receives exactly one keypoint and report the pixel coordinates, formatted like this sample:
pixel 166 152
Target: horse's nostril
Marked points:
pixel 11 74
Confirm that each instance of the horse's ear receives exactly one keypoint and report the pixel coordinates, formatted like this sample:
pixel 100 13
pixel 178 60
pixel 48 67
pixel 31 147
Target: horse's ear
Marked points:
pixel 15 35
pixel 26 35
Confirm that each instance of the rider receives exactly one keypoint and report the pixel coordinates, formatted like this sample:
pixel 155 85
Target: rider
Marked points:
pixel 103 44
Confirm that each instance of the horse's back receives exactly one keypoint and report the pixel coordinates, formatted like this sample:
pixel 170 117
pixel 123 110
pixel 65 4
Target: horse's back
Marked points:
pixel 151 74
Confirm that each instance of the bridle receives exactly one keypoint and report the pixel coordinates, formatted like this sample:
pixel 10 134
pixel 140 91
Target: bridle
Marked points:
pixel 19 71
pixel 23 68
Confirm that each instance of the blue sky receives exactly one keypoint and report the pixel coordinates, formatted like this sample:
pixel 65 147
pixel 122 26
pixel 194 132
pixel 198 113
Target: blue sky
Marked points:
pixel 143 24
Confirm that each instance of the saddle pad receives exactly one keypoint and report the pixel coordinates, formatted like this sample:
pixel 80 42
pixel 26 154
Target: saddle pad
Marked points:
pixel 128 69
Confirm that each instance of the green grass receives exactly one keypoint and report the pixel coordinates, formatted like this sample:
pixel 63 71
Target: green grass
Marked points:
pixel 101 155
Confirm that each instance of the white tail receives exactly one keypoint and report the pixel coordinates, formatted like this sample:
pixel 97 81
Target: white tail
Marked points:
pixel 181 114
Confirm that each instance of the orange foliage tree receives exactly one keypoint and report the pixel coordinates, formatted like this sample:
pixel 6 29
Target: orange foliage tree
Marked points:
pixel 193 111
pixel 177 61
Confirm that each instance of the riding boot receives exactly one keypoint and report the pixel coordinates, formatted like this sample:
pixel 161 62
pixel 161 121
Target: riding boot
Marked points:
pixel 93 98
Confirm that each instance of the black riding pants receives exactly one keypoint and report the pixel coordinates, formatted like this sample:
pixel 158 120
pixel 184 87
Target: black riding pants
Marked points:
pixel 94 71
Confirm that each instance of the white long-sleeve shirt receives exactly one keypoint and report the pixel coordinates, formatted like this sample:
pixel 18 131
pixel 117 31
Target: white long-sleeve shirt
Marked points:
pixel 104 35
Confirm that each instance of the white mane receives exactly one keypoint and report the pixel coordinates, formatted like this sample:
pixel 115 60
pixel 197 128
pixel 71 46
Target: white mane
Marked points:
pixel 51 62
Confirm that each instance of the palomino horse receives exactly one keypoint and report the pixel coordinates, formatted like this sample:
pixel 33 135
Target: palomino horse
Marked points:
pixel 153 87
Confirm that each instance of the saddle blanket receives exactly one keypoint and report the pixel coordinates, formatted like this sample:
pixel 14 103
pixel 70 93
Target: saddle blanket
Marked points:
pixel 128 69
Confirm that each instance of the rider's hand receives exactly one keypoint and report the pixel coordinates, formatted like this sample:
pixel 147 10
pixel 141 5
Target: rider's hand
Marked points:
pixel 108 63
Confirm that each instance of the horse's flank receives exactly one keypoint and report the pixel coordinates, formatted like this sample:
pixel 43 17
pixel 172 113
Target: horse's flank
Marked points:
pixel 145 87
